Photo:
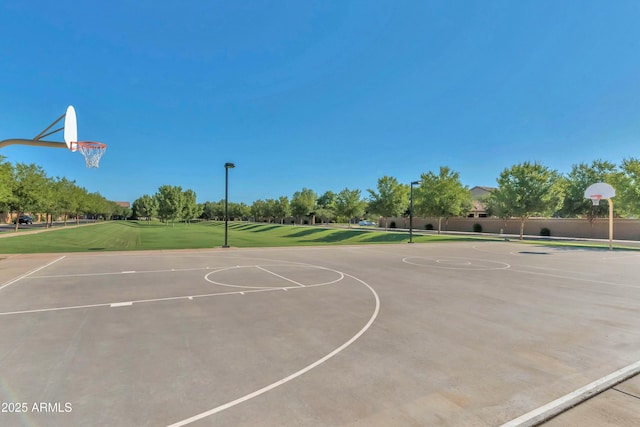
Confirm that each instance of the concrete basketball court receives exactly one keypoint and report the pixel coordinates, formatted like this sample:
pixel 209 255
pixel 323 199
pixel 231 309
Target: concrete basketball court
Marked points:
pixel 448 334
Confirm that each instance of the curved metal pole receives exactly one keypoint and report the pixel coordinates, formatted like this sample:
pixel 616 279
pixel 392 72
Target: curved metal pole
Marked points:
pixel 32 142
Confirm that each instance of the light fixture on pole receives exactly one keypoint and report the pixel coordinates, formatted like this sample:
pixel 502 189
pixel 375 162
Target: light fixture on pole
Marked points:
pixel 411 210
pixel 227 166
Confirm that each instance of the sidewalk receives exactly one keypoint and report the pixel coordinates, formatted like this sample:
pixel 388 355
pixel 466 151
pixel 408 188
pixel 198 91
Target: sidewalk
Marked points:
pixel 618 406
pixel 9 232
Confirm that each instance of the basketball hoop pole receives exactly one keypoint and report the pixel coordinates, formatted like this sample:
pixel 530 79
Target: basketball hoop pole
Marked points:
pixel 602 190
pixel 38 143
pixel 596 201
pixel 610 224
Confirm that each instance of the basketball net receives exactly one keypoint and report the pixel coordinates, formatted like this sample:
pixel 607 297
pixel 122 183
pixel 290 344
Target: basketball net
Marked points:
pixel 92 152
pixel 595 199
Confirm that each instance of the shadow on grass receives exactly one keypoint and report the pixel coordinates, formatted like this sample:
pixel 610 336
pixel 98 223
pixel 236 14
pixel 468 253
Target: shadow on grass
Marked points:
pixel 339 236
pixel 266 228
pixel 245 227
pixel 138 224
pixel 391 237
pixel 306 232
pixel 146 224
pixel 212 223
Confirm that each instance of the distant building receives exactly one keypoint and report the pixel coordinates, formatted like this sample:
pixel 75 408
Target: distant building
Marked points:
pixel 123 204
pixel 478 195
pixel 479 192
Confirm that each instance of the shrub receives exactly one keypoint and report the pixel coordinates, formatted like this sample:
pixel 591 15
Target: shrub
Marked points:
pixel 477 228
pixel 428 227
pixel 544 231
pixel 392 224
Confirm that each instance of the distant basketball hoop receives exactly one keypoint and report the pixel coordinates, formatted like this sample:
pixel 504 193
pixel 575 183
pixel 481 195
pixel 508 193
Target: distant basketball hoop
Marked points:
pixel 92 151
pixel 597 192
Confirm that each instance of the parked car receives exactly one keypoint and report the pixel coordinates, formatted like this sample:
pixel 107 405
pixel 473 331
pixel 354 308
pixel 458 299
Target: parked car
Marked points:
pixel 24 219
pixel 367 223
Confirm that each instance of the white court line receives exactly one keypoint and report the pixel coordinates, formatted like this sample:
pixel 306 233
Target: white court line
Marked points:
pixel 189 297
pixel 474 267
pixel 277 275
pixel 208 279
pixel 245 290
pixel 29 273
pixel 174 270
pixel 122 304
pixel 572 399
pixel 295 374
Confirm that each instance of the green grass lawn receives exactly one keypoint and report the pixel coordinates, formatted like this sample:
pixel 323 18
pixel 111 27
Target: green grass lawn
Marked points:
pixel 140 235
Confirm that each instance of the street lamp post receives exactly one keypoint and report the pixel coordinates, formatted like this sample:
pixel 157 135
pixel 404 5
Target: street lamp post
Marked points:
pixel 411 210
pixel 227 166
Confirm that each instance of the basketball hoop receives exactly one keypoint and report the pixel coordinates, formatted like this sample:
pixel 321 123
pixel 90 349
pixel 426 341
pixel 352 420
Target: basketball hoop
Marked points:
pixel 92 151
pixel 595 198
pixel 598 191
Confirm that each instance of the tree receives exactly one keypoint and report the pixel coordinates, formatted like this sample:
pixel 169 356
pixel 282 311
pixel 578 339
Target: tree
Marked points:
pixel 145 207
pixel 190 210
pixel 80 201
pixel 391 200
pixel 282 208
pixel 50 203
pixel 28 189
pixel 64 190
pixel 122 211
pixel 349 204
pixel 528 189
pixel 213 210
pixel 6 184
pixel 326 206
pixel 576 182
pixel 441 196
pixel 258 210
pixel 303 203
pixel 239 210
pixel 97 206
pixel 170 203
pixel 628 187
pixel 497 205
pixel 270 209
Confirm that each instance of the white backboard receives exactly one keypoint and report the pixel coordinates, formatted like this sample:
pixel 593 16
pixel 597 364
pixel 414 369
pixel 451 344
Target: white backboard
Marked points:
pixel 70 127
pixel 601 189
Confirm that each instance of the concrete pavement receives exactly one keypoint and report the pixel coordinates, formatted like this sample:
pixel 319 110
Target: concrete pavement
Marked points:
pixel 447 334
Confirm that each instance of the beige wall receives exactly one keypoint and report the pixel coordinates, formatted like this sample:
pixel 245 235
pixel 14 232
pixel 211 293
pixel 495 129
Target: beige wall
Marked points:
pixel 623 229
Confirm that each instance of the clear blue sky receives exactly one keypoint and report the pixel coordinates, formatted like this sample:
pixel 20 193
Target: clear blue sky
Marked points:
pixel 318 94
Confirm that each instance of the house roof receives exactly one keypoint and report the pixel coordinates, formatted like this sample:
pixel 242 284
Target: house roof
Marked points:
pixel 482 187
